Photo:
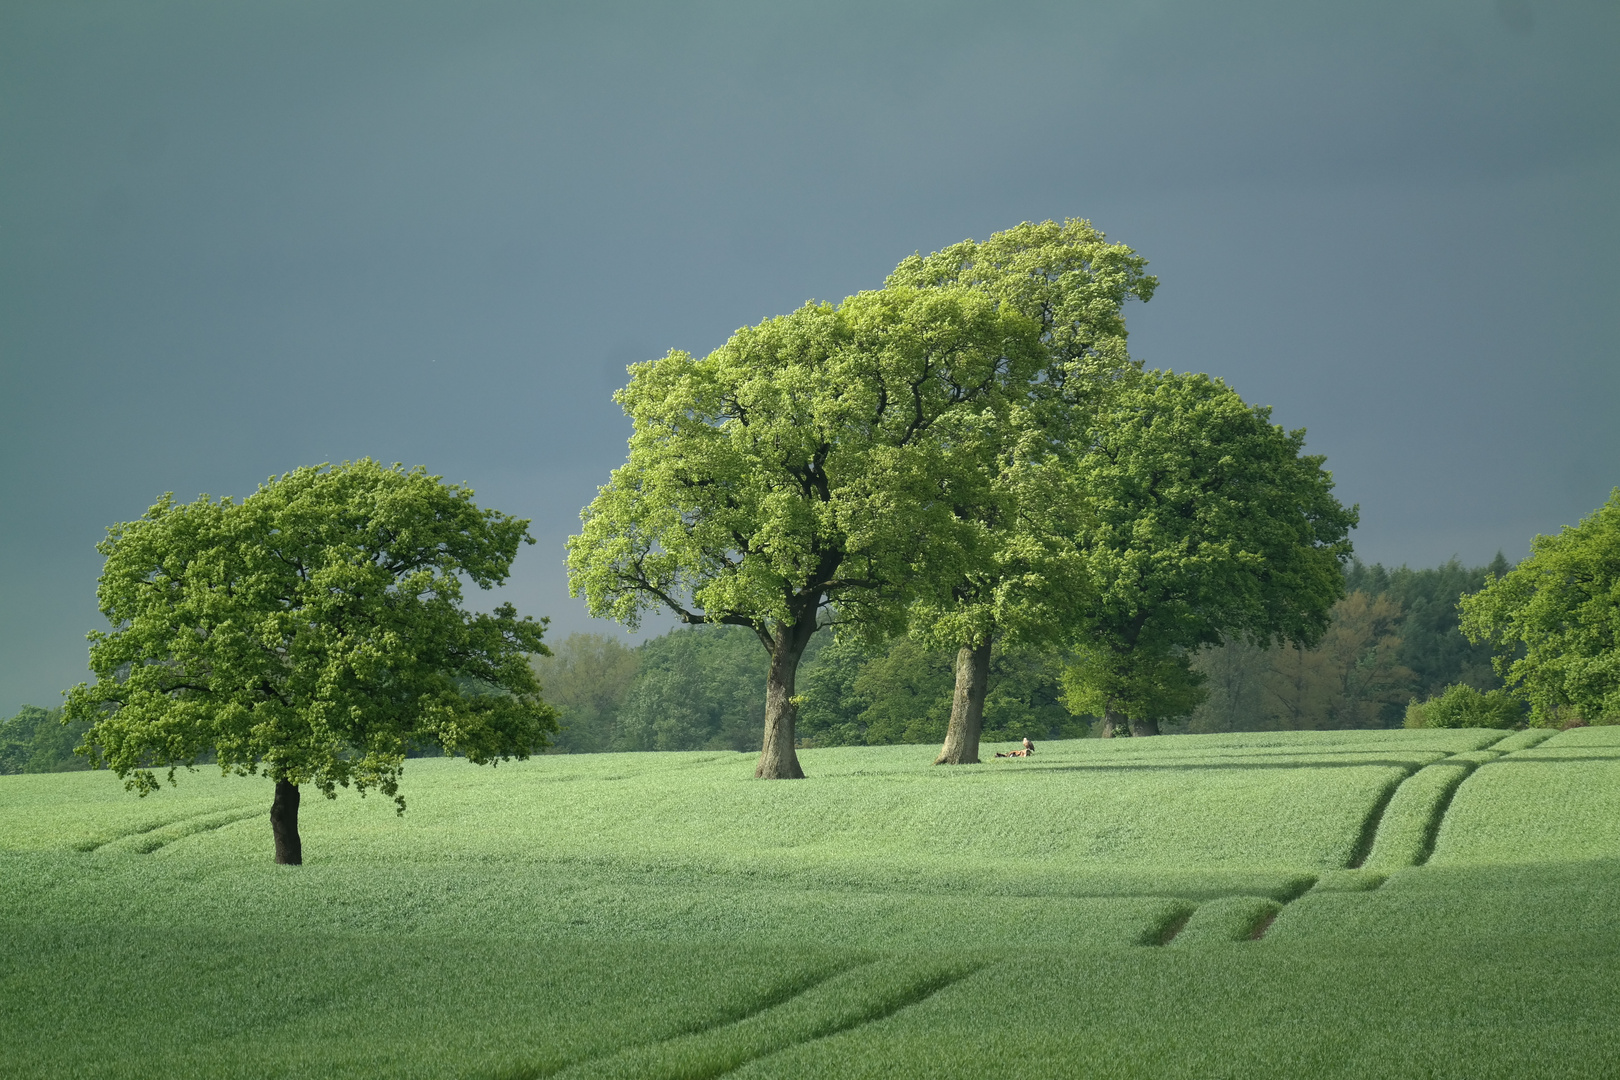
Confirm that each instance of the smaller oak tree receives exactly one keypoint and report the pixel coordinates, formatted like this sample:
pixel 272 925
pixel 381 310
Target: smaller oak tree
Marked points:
pixel 312 632
pixel 1204 522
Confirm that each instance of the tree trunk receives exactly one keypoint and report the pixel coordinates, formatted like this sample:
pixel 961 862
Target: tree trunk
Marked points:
pixel 967 706
pixel 1144 727
pixel 777 758
pixel 1113 723
pixel 284 825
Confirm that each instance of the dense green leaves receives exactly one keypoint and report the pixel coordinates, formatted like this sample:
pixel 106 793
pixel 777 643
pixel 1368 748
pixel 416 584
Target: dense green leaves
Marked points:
pixel 1432 644
pixel 1066 277
pixel 586 678
pixel 811 463
pixel 313 631
pixel 1462 705
pixel 1394 635
pixel 36 741
pixel 1555 621
pixel 1204 522
pixel 799 464
pixel 902 694
pixel 1018 580
pixel 695 689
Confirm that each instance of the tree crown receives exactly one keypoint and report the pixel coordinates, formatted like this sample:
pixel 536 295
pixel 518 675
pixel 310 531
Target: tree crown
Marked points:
pixel 1206 520
pixel 1018 578
pixel 808 461
pixel 314 630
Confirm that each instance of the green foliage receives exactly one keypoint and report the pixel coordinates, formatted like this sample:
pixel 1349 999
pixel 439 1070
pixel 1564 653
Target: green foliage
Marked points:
pixel 313 631
pixel 1432 644
pixel 1348 679
pixel 810 463
pixel 1204 522
pixel 1019 579
pixel 1148 686
pixel 906 694
pixel 698 688
pixel 1066 277
pixel 799 464
pixel 1554 621
pixel 587 679
pixel 829 708
pixel 1395 634
pixel 854 695
pixel 695 689
pixel 36 741
pixel 1460 705
pixel 1025 698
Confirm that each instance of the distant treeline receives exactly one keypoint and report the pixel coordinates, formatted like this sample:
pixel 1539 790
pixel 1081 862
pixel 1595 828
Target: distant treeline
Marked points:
pixel 700 688
pixel 1392 639
pixel 36 741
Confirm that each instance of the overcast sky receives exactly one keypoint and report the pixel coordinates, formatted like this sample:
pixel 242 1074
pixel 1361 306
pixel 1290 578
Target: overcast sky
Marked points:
pixel 240 238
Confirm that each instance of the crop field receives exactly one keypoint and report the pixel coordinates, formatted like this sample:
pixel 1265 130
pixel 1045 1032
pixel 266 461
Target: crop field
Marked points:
pixel 1339 904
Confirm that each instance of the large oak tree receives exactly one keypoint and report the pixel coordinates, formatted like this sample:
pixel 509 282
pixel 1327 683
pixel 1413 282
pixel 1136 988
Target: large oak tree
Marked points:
pixel 312 632
pixel 1021 580
pixel 804 473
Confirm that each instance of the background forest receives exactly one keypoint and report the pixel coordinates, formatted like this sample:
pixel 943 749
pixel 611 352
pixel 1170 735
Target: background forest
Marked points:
pixel 1394 637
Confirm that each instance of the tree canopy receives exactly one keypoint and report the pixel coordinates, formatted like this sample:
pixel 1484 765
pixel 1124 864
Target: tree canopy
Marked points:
pixel 1554 621
pixel 313 632
pixel 1204 521
pixel 803 473
pixel 1019 580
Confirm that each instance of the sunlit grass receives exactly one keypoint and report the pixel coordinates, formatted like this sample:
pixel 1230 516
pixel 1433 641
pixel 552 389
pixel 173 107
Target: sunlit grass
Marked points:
pixel 665 914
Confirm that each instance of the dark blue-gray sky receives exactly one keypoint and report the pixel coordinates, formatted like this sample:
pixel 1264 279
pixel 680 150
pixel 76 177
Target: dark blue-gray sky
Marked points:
pixel 238 238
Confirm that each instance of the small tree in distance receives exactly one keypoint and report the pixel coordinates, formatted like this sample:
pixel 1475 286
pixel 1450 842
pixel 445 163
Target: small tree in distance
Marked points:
pixel 312 632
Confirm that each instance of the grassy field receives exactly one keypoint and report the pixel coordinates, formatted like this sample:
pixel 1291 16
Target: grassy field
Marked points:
pixel 1355 904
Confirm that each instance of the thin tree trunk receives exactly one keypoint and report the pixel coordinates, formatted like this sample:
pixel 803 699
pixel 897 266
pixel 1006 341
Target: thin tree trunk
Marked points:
pixel 1113 723
pixel 284 825
pixel 1144 727
pixel 777 758
pixel 967 706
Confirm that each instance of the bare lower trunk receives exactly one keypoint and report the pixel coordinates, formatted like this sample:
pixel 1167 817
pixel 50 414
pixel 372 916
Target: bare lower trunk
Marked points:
pixel 777 758
pixel 1144 727
pixel 284 825
pixel 967 706
pixel 1113 723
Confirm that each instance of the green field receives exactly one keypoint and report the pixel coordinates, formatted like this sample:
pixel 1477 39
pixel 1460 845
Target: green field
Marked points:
pixel 1395 903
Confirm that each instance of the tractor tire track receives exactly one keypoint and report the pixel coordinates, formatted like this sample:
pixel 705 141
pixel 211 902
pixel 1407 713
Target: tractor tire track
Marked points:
pixel 847 999
pixel 101 840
